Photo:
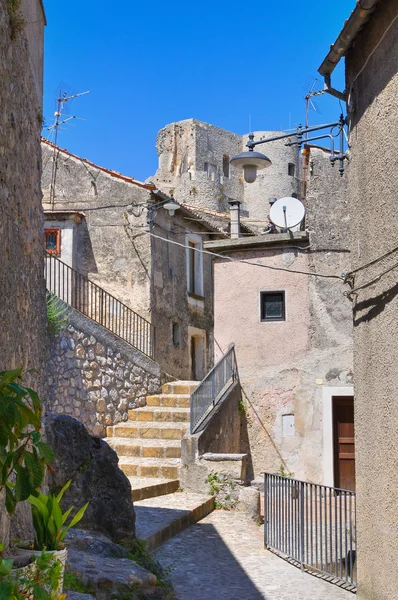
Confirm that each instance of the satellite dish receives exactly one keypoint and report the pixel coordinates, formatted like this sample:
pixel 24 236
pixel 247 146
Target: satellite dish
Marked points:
pixel 287 212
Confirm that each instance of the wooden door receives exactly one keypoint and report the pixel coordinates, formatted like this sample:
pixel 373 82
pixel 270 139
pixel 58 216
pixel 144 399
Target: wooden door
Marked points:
pixel 344 443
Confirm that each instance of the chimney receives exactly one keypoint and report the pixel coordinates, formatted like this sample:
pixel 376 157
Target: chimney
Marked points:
pixel 235 218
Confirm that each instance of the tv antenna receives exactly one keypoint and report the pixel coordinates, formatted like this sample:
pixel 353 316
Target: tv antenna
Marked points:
pixel 314 90
pixel 62 101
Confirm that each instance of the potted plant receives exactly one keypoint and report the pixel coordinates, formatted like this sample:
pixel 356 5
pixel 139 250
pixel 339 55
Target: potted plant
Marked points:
pixel 50 526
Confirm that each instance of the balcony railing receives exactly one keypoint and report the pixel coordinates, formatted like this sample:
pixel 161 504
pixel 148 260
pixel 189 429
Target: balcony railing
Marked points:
pixel 315 525
pixel 78 291
pixel 212 388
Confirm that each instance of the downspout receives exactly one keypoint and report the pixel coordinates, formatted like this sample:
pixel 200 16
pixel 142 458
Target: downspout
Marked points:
pixel 352 26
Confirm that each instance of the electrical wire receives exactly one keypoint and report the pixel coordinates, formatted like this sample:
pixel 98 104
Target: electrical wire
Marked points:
pixel 244 261
pixel 370 263
pixel 368 283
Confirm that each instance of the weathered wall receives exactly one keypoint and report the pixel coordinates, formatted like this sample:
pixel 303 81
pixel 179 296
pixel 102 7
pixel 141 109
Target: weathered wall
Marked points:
pixel 285 365
pixel 112 256
pixel 170 301
pixel 186 146
pixel 22 306
pixel 373 188
pixel 96 377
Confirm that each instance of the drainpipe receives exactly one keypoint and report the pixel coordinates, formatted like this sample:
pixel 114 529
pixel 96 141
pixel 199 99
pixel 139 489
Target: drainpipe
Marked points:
pixel 234 212
pixel 352 26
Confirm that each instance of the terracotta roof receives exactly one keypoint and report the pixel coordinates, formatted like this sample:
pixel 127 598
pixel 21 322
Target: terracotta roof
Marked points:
pixel 108 171
pixel 219 220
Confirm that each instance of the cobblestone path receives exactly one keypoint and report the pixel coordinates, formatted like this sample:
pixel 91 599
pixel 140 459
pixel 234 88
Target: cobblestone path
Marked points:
pixel 223 558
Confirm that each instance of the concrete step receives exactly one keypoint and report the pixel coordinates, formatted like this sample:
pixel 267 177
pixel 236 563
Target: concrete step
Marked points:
pixel 164 468
pixel 159 414
pixel 179 387
pixel 150 487
pixel 177 400
pixel 159 519
pixel 148 430
pixel 145 448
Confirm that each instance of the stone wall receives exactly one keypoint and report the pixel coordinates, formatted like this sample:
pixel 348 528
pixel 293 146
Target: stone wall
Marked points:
pixel 372 194
pixel 22 306
pixel 97 378
pixel 187 148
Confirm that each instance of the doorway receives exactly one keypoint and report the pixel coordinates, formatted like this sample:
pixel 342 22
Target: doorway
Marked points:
pixel 197 355
pixel 343 442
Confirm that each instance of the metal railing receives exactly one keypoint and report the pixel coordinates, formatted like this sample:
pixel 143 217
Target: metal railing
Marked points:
pixel 211 389
pixel 315 525
pixel 78 291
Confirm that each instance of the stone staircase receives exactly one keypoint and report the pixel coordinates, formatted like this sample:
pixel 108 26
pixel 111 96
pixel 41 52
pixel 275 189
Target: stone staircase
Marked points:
pixel 149 443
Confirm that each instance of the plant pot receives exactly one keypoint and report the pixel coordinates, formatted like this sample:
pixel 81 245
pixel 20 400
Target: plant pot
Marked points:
pixel 59 555
pixel 22 578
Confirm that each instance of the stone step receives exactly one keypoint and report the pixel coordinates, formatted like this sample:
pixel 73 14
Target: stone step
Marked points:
pixel 179 387
pixel 148 430
pixel 161 518
pixel 150 487
pixel 159 414
pixel 145 448
pixel 164 468
pixel 177 400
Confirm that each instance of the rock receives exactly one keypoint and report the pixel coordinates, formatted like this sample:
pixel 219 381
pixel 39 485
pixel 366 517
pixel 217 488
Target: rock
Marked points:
pixel 95 543
pixel 249 502
pixel 106 575
pixel 79 596
pixel 96 478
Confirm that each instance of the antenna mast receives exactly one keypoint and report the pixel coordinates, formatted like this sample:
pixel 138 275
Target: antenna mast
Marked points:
pixel 61 100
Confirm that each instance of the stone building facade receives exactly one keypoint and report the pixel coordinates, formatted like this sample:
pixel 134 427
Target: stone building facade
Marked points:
pixel 292 369
pixel 194 164
pixel 22 307
pixel 114 230
pixel 369 42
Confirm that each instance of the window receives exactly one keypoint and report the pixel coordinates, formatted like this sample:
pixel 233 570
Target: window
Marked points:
pixel 272 306
pixel 194 265
pixel 225 165
pixel 176 334
pixel 52 241
pixel 211 171
pixel 291 169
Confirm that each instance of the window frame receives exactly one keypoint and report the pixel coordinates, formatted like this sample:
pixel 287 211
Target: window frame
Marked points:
pixel 291 167
pixel 52 231
pixel 194 266
pixel 225 166
pixel 263 317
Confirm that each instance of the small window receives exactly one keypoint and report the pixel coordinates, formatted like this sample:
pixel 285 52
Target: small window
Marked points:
pixel 291 169
pixel 225 165
pixel 272 306
pixel 52 241
pixel 194 267
pixel 176 334
pixel 211 171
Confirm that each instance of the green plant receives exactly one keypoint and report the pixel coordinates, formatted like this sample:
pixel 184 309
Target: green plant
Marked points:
pixel 213 479
pixel 56 314
pixel 17 22
pixel 139 553
pixel 73 583
pixel 194 189
pixel 23 456
pixel 48 521
pixel 39 580
pixel 242 406
pixel 282 473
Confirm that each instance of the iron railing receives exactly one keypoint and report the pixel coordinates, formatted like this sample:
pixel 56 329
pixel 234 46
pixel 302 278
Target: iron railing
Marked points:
pixel 315 525
pixel 78 291
pixel 212 388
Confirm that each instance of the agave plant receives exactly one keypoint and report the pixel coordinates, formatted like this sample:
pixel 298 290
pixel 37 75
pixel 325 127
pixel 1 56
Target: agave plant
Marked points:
pixel 49 522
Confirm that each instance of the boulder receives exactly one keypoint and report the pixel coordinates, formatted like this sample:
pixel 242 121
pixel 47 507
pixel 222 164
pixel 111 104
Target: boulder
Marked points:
pixel 96 478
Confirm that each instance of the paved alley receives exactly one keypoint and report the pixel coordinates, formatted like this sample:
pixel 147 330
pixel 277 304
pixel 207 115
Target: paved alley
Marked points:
pixel 222 558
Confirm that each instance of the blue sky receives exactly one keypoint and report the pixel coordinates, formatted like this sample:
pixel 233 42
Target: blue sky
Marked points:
pixel 150 63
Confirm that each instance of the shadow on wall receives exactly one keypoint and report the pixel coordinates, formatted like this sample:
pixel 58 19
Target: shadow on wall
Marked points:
pixel 85 255
pixel 373 306
pixel 245 442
